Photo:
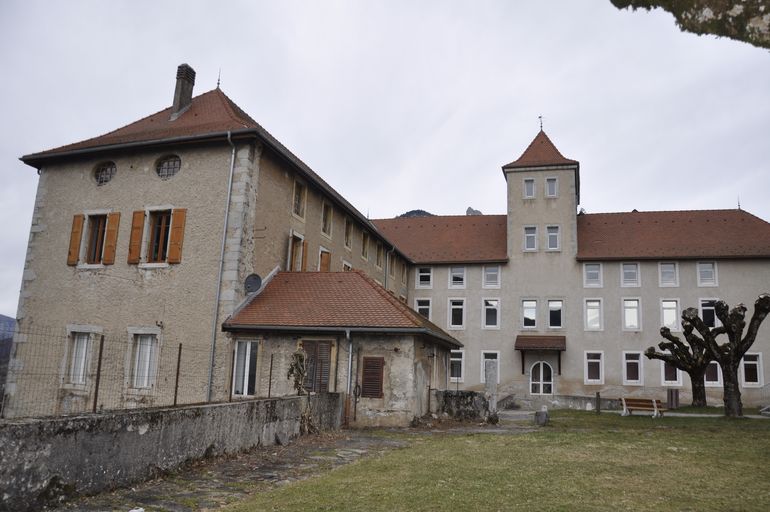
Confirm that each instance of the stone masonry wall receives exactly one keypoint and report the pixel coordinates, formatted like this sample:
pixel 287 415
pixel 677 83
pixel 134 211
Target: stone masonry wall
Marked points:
pixel 44 460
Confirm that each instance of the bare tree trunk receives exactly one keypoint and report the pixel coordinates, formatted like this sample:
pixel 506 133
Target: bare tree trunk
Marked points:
pixel 698 381
pixel 732 395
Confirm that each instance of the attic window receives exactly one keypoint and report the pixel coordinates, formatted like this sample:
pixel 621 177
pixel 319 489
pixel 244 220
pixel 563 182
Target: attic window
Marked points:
pixel 168 166
pixel 104 172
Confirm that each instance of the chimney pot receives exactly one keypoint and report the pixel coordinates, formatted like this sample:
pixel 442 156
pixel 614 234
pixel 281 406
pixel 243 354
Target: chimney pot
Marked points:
pixel 185 80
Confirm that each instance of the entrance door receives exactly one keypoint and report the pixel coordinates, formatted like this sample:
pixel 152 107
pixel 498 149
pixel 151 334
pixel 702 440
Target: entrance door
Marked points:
pixel 541 379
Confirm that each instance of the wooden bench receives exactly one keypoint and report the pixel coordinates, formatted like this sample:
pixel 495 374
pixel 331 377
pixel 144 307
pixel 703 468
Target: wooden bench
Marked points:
pixel 643 404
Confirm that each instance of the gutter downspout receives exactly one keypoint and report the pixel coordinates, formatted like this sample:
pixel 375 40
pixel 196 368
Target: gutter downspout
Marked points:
pixel 350 376
pixel 209 392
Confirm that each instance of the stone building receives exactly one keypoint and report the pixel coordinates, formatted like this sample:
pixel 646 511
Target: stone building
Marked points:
pixel 145 237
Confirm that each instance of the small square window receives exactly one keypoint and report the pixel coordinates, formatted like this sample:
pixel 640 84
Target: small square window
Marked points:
pixel 592 275
pixel 551 187
pixel 423 307
pixel 668 274
pixel 751 370
pixel 670 374
pixel 491 276
pixel 424 277
pixel 529 314
pixel 713 376
pixel 456 277
pixel 529 188
pixel 707 273
pixel 629 274
pixel 530 238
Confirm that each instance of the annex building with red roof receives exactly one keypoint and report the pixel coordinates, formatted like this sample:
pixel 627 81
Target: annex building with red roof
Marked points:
pixel 194 227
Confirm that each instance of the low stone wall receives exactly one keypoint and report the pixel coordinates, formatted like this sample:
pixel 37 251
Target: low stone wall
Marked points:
pixel 584 403
pixel 45 460
pixel 463 405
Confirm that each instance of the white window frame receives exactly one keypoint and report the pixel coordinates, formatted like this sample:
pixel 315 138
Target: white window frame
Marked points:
pixel 322 249
pixel 555 180
pixel 88 214
pixel 91 331
pixel 482 378
pixel 484 283
pixel 132 358
pixel 638 313
pixel 484 313
pixel 717 323
pixel 450 274
pixel 719 381
pixel 379 255
pixel 640 362
pixel 548 238
pixel 670 383
pixel 346 266
pixel 760 371
pixel 677 315
pixel 534 238
pixel 461 378
pixel 600 380
pixel 148 211
pixel 245 373
pixel 601 314
pixel 701 283
pixel 563 316
pixel 524 194
pixel 523 316
pixel 450 326
pixel 430 306
pixel 419 272
pixel 635 284
pixel 661 284
pixel 586 283
pixel 304 200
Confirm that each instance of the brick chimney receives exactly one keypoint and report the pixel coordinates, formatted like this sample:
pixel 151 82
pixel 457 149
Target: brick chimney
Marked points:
pixel 185 80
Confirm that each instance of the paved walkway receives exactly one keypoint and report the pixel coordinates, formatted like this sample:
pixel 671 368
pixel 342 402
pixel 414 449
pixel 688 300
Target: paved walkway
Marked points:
pixel 210 484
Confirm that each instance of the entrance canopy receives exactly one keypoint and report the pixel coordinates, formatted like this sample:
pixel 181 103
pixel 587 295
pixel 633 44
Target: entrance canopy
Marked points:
pixel 540 343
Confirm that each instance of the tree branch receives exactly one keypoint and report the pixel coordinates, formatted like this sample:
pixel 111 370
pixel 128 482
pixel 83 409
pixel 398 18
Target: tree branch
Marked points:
pixel 761 310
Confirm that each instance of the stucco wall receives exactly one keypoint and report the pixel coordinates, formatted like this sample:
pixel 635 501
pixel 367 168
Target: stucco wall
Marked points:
pixel 43 459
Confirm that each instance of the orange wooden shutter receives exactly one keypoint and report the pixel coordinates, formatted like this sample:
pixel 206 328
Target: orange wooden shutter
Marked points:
pixel 75 236
pixel 326 262
pixel 135 243
pixel 178 218
pixel 111 238
pixel 371 379
pixel 304 256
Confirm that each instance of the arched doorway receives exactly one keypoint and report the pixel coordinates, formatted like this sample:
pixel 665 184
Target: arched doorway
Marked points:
pixel 541 379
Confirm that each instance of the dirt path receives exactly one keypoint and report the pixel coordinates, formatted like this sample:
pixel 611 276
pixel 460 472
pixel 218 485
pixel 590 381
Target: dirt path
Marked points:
pixel 210 484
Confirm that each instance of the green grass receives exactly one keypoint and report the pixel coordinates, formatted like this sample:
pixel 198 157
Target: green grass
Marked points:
pixel 581 461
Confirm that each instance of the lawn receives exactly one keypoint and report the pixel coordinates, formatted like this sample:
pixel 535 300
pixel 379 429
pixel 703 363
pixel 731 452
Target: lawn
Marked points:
pixel 581 461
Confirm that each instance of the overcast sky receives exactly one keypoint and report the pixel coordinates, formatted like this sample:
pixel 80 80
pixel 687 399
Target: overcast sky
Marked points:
pixel 401 104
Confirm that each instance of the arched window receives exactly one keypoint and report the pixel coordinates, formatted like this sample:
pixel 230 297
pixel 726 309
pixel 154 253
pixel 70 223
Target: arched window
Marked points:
pixel 541 379
pixel 104 172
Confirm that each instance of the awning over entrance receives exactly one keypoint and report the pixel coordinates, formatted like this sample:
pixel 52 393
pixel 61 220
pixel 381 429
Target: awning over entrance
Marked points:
pixel 540 343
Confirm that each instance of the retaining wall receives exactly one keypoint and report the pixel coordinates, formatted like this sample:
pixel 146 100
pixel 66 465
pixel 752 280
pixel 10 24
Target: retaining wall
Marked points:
pixel 46 460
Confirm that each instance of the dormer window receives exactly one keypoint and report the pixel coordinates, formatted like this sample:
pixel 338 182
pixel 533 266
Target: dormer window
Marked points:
pixel 104 172
pixel 168 166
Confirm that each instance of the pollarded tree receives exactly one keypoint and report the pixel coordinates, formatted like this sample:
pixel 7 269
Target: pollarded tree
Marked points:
pixel 729 354
pixel 691 357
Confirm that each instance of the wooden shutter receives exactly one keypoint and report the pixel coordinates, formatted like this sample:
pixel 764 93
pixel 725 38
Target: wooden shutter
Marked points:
pixel 135 243
pixel 323 365
pixel 371 380
pixel 304 255
pixel 178 217
pixel 111 238
pixel 326 261
pixel 75 236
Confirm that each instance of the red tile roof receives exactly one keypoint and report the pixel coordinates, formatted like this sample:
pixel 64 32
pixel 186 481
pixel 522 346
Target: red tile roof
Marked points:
pixel 672 235
pixel 449 239
pixel 540 153
pixel 540 342
pixel 306 300
pixel 211 112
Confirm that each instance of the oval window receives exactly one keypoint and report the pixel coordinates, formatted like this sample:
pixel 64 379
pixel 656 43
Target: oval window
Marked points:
pixel 168 166
pixel 104 172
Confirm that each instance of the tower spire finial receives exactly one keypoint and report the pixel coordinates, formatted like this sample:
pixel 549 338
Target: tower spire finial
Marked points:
pixel 219 77
pixel 541 122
